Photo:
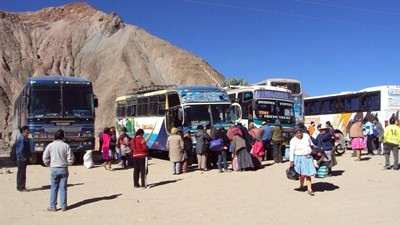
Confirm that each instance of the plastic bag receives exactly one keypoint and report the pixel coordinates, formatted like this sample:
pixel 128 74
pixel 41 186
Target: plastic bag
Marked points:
pixel 88 159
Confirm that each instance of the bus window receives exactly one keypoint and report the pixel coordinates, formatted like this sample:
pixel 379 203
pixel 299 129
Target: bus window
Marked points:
pixel 161 105
pixel 143 107
pixel 355 103
pixel 325 106
pixel 375 102
pixel 173 100
pixel 248 96
pixel 315 107
pixel 345 104
pixel 334 105
pixel 153 106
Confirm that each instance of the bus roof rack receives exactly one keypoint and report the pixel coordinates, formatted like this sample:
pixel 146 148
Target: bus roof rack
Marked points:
pixel 145 89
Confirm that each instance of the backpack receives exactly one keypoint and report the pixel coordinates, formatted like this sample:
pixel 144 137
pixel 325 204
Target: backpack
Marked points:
pixel 13 152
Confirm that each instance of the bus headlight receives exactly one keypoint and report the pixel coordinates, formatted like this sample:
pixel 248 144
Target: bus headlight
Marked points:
pixel 39 134
pixel 39 146
pixel 86 134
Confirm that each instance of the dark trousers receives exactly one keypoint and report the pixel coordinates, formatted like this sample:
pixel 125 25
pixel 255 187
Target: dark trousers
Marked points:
pixel 267 147
pixel 395 149
pixel 277 151
pixel 21 174
pixel 139 168
pixel 370 144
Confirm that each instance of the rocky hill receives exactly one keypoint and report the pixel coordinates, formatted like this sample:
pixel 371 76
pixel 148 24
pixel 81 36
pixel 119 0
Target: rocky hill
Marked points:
pixel 79 40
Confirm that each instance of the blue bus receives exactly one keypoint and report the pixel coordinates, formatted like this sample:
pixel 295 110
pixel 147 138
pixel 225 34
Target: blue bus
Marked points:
pixel 49 103
pixel 158 108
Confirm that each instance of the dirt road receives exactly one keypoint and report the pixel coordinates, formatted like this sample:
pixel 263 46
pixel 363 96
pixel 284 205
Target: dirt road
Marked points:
pixel 358 193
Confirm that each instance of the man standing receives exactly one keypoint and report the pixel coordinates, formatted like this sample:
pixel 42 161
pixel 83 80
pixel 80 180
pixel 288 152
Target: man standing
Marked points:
pixel 378 135
pixel 368 132
pixel 23 153
pixel 391 143
pixel 266 137
pixel 58 155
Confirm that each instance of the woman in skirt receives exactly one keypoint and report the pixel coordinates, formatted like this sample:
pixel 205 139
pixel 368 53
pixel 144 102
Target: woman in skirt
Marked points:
pixel 301 159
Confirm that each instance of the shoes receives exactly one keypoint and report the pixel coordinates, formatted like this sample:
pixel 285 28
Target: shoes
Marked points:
pixel 63 209
pixel 50 209
pixel 387 167
pixel 23 190
pixel 219 171
pixel 311 193
pixel 395 168
pixel 136 187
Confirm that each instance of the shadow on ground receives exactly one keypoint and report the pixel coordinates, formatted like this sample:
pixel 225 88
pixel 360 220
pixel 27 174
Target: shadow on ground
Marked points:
pixel 47 187
pixel 324 186
pixel 92 200
pixel 163 183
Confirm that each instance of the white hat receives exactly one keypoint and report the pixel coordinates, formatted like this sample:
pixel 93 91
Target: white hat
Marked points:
pixel 323 127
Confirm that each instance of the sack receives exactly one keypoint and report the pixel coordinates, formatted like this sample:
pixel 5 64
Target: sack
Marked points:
pixel 291 174
pixel 87 160
pixel 258 149
pixel 322 171
pixel 217 144
pixel 13 152
pixel 235 164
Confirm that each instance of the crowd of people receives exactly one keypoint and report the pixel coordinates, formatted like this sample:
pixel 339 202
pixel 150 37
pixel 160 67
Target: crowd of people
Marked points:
pixel 310 150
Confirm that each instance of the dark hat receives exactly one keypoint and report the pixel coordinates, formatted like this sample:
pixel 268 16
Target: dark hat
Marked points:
pixel 392 120
pixel 296 128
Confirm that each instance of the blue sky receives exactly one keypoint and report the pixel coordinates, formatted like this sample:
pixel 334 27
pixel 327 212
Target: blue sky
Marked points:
pixel 329 45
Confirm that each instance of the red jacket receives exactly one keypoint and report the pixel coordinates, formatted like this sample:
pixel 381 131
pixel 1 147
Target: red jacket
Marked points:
pixel 139 147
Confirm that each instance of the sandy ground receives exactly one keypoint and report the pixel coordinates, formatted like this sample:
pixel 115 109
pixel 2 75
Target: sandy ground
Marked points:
pixel 358 193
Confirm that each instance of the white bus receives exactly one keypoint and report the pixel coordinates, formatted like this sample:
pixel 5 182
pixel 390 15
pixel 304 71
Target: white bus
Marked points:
pixel 157 109
pixel 297 92
pixel 261 103
pixel 380 102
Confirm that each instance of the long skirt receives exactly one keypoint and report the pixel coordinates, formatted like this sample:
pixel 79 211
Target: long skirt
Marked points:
pixel 304 165
pixel 244 159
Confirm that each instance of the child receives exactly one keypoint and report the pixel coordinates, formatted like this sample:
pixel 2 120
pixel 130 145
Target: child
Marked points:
pixel 318 156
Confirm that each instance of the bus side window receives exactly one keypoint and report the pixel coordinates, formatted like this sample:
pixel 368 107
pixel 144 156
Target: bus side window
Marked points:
pixel 355 103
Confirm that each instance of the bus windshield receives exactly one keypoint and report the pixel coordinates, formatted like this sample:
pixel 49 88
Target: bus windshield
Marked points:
pixel 48 101
pixel 270 110
pixel 200 115
pixel 295 88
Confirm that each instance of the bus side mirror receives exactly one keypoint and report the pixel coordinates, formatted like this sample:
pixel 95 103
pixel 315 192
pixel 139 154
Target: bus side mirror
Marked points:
pixel 95 102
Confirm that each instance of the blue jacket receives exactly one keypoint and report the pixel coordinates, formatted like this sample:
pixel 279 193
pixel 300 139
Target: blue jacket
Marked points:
pixel 23 149
pixel 267 132
pixel 324 141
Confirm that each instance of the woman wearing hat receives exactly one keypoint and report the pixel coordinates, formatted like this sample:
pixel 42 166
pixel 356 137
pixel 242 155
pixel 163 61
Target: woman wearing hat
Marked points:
pixel 175 150
pixel 301 159
pixel 324 142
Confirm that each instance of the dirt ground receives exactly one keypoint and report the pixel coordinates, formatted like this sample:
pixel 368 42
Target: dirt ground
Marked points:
pixel 357 193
